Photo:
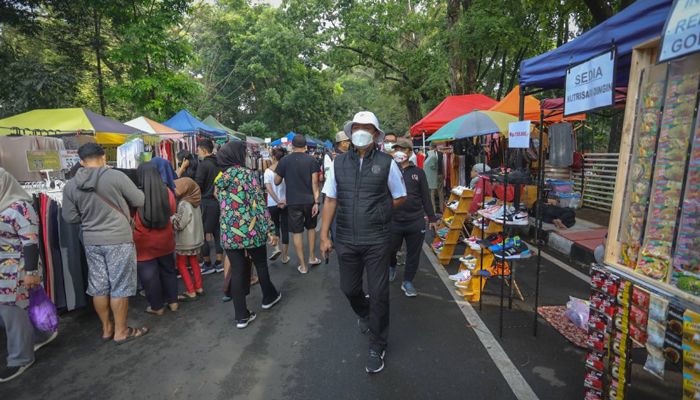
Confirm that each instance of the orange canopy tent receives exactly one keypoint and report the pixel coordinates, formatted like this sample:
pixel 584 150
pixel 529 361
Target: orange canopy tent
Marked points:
pixel 451 108
pixel 511 105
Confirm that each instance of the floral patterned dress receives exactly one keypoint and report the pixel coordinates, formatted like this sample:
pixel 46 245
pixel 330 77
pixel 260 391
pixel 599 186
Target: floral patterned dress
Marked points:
pixel 19 227
pixel 245 222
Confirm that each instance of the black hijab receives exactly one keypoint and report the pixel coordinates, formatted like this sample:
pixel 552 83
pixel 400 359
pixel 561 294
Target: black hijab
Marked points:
pixel 231 154
pixel 155 213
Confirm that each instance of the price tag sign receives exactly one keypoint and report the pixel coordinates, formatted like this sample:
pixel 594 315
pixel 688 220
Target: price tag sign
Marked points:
pixel 519 135
pixel 268 140
pixel 69 158
pixel 682 30
pixel 42 160
pixel 285 140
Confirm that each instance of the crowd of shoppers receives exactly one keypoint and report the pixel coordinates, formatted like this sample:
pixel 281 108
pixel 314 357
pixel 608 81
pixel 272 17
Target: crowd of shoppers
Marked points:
pixel 214 209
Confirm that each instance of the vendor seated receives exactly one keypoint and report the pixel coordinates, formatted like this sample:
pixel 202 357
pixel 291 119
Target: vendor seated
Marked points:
pixel 561 217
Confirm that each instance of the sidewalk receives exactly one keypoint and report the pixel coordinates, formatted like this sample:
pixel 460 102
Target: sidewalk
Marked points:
pixel 577 243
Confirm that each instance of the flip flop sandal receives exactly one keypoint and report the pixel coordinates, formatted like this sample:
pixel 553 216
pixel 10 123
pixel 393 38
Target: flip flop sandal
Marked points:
pixel 186 299
pixel 286 261
pixel 134 333
pixel 302 272
pixel 159 313
pixel 315 262
pixel 105 339
pixel 274 255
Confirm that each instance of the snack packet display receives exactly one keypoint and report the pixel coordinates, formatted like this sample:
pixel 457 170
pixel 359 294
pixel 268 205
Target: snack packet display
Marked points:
pixel 656 362
pixel 641 165
pixel 669 168
pixel 658 308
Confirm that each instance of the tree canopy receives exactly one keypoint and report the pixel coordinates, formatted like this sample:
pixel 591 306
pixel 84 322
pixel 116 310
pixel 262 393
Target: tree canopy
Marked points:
pixel 305 66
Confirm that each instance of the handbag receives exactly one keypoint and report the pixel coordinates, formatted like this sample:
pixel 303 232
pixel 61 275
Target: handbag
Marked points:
pixel 42 312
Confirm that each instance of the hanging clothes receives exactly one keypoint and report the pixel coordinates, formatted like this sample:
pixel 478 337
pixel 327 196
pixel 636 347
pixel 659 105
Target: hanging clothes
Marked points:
pixel 13 154
pixel 129 154
pixel 561 145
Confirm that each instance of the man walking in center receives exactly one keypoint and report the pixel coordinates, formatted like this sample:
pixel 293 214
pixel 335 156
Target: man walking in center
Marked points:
pixel 101 199
pixel 300 174
pixel 206 173
pixel 363 187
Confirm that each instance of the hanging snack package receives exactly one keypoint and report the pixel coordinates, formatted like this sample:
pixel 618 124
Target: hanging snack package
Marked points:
pixel 691 354
pixel 595 361
pixel 620 343
pixel 691 386
pixel 656 362
pixel 638 316
pixel 592 394
pixel 658 308
pixel 640 298
pixel 593 380
pixel 656 334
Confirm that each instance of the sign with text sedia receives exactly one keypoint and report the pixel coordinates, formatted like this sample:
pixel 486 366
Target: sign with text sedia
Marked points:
pixel 590 85
pixel 682 30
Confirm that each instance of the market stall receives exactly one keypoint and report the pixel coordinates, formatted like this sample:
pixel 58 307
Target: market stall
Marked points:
pixel 645 297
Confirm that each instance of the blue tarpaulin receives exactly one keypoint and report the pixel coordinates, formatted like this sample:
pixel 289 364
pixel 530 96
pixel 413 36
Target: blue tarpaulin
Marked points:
pixel 185 122
pixel 278 142
pixel 639 22
pixel 328 144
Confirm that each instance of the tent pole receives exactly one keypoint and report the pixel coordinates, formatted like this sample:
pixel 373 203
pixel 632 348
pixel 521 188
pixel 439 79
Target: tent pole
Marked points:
pixel 538 218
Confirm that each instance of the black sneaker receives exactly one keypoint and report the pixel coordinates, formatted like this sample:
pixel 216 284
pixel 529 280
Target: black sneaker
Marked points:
pixel 363 324
pixel 10 373
pixel 243 323
pixel 272 304
pixel 48 340
pixel 375 362
pixel 207 269
pixel 219 268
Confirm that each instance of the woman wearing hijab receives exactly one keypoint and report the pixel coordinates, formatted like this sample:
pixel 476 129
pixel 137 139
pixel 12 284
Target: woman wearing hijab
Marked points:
pixel 19 271
pixel 245 228
pixel 155 241
pixel 189 236
pixel 167 173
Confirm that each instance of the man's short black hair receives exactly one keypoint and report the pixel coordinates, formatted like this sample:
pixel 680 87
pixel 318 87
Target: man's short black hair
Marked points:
pixel 90 150
pixel 391 134
pixel 207 145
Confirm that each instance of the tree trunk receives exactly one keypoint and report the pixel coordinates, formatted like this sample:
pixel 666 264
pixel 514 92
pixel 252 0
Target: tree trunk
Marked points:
pixel 453 50
pixel 600 10
pixel 413 110
pixel 98 55
pixel 502 78
pixel 615 132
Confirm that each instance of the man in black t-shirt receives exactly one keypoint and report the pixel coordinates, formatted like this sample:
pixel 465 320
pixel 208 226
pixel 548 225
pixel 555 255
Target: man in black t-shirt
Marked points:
pixel 300 174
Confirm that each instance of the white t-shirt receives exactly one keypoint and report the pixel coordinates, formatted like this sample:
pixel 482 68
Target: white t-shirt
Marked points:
pixel 394 182
pixel 280 191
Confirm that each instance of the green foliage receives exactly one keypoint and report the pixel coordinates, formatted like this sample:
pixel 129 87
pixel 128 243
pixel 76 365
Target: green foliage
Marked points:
pixel 256 128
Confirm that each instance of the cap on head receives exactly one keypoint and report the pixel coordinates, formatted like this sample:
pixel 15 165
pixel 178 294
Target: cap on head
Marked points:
pixel 90 150
pixel 480 168
pixel 404 143
pixel 341 137
pixel 299 141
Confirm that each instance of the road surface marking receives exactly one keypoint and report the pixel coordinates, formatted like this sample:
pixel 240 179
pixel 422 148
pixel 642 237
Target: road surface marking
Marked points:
pixel 515 380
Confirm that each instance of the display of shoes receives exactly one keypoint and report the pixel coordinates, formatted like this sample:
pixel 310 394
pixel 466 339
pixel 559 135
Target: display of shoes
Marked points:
pixel 491 240
pixel 443 232
pixel 481 223
pixel 448 220
pixel 521 218
pixel 463 284
pixel 505 245
pixel 461 275
pixel 516 252
pixel 459 190
pixel 467 259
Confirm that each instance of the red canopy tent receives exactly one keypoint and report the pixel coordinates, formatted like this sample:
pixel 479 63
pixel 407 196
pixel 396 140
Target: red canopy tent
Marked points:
pixel 451 108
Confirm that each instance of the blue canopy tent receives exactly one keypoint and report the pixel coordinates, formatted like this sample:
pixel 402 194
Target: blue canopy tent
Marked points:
pixel 278 142
pixel 328 144
pixel 185 122
pixel 641 21
pixel 311 142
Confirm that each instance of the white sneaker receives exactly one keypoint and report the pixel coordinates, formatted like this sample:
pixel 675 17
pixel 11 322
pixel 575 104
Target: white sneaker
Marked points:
pixel 465 274
pixel 467 259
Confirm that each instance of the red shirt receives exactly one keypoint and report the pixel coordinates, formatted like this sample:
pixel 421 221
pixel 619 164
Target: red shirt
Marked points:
pixel 154 243
pixel 420 160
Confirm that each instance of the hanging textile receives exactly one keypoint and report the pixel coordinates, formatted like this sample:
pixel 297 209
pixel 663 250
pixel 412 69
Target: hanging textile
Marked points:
pixel 561 145
pixel 129 154
pixel 13 154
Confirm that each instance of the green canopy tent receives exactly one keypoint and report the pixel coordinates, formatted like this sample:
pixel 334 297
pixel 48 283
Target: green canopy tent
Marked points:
pixel 214 123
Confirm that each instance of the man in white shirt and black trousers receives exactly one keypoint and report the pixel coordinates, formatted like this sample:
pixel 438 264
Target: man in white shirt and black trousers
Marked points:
pixel 364 186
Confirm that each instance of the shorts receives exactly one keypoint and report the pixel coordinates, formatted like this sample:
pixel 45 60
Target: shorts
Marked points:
pixel 210 216
pixel 111 270
pixel 300 218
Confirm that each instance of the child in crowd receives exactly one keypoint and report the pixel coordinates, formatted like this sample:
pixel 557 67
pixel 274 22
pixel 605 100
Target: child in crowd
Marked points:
pixel 189 236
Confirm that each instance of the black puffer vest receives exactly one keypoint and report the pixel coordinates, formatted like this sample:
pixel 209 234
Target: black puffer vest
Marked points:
pixel 364 201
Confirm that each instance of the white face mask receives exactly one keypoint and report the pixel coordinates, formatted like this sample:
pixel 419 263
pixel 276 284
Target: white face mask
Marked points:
pixel 388 146
pixel 362 138
pixel 400 157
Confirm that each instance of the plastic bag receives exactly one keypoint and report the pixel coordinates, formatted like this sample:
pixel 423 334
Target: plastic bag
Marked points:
pixel 577 312
pixel 42 312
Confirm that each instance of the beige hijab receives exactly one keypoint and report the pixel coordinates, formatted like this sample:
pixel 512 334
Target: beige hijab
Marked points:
pixel 11 191
pixel 187 190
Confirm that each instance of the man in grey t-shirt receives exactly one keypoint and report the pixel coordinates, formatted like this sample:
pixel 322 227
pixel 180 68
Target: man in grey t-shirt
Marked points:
pixel 101 199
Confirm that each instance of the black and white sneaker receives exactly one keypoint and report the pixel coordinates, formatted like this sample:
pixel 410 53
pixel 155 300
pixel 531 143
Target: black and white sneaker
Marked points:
pixel 521 218
pixel 375 362
pixel 363 324
pixel 50 339
pixel 272 304
pixel 10 373
pixel 243 323
pixel 219 268
pixel 207 269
